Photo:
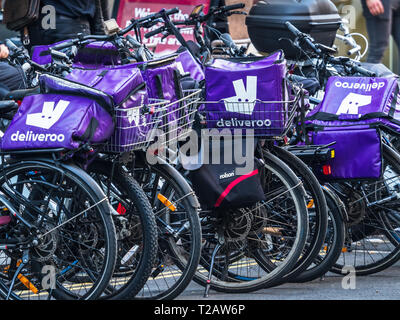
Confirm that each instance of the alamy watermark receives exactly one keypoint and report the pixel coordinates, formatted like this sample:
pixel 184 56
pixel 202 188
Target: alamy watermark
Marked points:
pixel 49 277
pixel 349 280
pixel 49 19
pixel 211 146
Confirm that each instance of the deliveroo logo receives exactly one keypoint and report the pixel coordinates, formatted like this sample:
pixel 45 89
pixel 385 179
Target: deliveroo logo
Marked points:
pixel 244 100
pixel 45 120
pixel 135 114
pixel 49 115
pixel 352 102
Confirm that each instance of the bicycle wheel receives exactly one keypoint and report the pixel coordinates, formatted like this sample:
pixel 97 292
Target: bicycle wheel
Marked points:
pixel 258 246
pixel 179 242
pixel 317 207
pixel 135 228
pixel 65 229
pixel 332 245
pixel 372 241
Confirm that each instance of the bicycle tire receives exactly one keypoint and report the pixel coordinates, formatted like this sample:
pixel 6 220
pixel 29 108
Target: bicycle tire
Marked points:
pixel 318 221
pixel 179 274
pixel 71 177
pixel 141 208
pixel 332 247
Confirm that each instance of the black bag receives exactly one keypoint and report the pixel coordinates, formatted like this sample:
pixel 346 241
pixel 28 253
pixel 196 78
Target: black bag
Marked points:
pixel 20 13
pixel 218 186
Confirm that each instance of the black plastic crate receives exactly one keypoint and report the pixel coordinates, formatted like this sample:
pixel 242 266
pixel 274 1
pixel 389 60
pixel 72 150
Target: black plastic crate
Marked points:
pixel 267 30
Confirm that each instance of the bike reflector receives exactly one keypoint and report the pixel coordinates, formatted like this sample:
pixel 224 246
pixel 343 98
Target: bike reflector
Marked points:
pixel 327 170
pixel 121 209
pixel 166 202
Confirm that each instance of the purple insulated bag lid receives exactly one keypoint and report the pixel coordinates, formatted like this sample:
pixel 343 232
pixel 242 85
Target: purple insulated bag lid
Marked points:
pixel 116 82
pixel 362 100
pixel 97 54
pixel 53 84
pixel 187 64
pixel 126 86
pixel 360 96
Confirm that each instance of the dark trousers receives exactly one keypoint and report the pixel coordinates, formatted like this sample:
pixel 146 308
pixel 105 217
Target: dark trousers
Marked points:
pixel 66 28
pixel 11 77
pixel 381 27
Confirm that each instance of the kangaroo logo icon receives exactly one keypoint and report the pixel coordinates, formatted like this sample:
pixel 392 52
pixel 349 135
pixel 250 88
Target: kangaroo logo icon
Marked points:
pixel 244 100
pixel 134 115
pixel 352 102
pixel 49 115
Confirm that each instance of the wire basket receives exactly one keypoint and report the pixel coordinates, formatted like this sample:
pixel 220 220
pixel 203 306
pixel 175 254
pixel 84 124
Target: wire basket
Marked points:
pixel 179 117
pixel 264 119
pixel 135 127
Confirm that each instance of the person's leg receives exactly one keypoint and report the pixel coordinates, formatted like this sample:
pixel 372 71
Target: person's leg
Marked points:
pixel 396 29
pixel 67 29
pixel 12 77
pixel 379 31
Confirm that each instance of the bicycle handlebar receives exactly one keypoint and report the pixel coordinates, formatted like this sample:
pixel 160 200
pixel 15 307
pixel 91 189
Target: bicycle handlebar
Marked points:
pixel 349 63
pixel 354 50
pixel 212 11
pixel 232 7
pixel 65 45
pixel 317 49
pixel 154 32
pixel 363 71
pixel 11 45
pixel 147 21
pixel 304 37
pixel 293 29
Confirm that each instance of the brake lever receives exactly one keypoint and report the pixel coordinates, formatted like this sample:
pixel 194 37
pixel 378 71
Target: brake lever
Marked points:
pixel 165 35
pixel 151 23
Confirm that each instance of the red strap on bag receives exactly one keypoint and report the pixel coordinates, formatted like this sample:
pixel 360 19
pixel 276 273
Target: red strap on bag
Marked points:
pixel 232 185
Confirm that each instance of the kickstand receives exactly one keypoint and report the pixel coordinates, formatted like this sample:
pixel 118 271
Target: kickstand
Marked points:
pixel 25 259
pixel 216 249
